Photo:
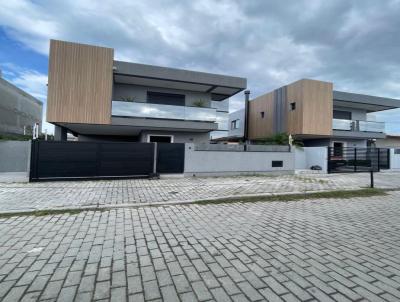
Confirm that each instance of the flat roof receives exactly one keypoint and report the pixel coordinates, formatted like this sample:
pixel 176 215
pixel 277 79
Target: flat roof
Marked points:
pixel 220 86
pixel 363 101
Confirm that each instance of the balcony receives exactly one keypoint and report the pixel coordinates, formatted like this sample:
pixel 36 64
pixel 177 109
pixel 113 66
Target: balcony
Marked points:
pixel 360 126
pixel 158 111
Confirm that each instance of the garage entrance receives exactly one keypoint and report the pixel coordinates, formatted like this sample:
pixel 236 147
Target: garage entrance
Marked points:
pixel 52 160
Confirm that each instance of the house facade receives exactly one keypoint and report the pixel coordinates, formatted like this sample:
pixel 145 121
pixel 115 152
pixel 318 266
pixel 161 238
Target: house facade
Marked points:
pixel 318 115
pixel 19 111
pixel 97 98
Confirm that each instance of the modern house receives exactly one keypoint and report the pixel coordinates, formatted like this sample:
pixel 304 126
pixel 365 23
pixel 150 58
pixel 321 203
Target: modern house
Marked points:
pixel 316 114
pixel 19 111
pixel 95 97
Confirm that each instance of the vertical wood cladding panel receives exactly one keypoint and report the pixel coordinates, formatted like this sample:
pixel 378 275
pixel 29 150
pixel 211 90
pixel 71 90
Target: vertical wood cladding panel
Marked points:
pixel 262 127
pixel 314 107
pixel 294 117
pixel 317 107
pixel 80 83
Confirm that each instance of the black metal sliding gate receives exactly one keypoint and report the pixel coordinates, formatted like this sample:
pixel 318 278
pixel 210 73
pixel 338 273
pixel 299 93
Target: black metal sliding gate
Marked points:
pixel 75 160
pixel 352 160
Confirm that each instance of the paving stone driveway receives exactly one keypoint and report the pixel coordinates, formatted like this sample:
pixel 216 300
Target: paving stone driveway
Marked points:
pixel 48 195
pixel 321 250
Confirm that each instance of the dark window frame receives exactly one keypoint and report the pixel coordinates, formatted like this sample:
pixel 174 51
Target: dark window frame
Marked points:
pixel 342 115
pixel 262 114
pixel 292 106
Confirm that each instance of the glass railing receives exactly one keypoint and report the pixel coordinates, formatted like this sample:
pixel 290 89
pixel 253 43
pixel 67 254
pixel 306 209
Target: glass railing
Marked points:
pixel 371 126
pixel 158 111
pixel 338 124
pixel 363 126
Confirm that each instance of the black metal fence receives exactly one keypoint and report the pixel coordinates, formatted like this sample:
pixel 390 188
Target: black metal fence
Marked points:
pixel 353 160
pixel 51 160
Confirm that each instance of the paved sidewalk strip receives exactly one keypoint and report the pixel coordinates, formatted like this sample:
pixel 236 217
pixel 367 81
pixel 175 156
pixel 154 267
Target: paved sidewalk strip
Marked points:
pixel 320 250
pixel 81 194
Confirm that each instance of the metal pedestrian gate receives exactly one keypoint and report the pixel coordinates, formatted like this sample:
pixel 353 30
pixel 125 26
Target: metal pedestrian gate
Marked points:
pixel 52 160
pixel 170 158
pixel 353 160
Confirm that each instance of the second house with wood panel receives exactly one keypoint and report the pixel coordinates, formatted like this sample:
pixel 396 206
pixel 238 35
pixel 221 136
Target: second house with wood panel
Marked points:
pixel 313 112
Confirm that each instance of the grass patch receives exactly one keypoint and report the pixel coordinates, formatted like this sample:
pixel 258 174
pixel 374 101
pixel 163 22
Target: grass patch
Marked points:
pixel 40 213
pixel 343 194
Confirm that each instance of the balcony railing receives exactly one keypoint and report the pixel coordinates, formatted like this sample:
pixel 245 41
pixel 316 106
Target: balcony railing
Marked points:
pixel 363 126
pixel 158 111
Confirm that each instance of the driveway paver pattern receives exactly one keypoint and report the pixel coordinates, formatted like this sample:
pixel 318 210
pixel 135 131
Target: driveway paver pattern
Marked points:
pixel 315 250
pixel 101 193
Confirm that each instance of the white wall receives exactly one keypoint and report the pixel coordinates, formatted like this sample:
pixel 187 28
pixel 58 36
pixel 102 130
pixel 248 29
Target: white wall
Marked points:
pixel 311 156
pixel 237 115
pixel 231 162
pixel 356 114
pixel 394 160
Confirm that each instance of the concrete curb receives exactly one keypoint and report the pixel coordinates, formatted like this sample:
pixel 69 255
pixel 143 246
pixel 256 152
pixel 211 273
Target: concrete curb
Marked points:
pixel 174 202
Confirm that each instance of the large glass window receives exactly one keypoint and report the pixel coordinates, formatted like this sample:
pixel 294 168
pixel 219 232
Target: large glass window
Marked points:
pixel 165 98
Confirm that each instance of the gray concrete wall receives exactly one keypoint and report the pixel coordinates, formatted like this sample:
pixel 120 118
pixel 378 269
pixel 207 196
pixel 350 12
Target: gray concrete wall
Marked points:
pixel 203 163
pixel 17 109
pixel 15 156
pixel 388 142
pixel 139 93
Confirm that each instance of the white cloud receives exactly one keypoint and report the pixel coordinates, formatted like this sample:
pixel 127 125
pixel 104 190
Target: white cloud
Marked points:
pixel 353 44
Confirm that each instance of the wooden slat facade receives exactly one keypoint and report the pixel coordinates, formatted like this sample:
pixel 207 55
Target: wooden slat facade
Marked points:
pixel 80 83
pixel 260 127
pixel 313 114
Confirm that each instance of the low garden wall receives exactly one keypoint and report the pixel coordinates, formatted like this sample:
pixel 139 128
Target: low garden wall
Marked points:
pixel 229 162
pixel 14 156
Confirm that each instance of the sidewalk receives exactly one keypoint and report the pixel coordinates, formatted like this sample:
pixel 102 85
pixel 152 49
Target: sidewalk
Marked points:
pixel 106 193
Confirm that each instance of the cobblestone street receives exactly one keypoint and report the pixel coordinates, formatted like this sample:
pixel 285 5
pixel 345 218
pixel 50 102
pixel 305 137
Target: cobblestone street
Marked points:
pixel 101 193
pixel 315 250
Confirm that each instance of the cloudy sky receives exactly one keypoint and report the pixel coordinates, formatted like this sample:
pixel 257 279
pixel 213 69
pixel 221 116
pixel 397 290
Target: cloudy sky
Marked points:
pixel 354 44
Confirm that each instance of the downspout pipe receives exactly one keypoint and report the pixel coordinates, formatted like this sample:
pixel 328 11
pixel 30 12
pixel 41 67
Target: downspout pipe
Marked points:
pixel 246 115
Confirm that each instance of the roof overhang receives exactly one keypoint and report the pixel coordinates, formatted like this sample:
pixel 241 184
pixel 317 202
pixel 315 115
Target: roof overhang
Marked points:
pixel 133 127
pixel 220 86
pixel 362 101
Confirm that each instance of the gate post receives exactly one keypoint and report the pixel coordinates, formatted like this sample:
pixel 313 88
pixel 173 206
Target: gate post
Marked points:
pixel 355 159
pixel 155 159
pixel 33 171
pixel 329 160
pixel 379 159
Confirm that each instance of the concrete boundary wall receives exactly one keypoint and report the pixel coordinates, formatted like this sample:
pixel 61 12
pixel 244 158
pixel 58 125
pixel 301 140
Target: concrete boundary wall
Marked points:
pixel 15 156
pixel 311 156
pixel 216 163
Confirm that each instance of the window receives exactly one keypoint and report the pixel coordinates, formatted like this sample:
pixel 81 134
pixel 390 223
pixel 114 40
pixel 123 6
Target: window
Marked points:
pixel 262 114
pixel 277 164
pixel 292 106
pixel 160 138
pixel 165 98
pixel 342 115
pixel 235 124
